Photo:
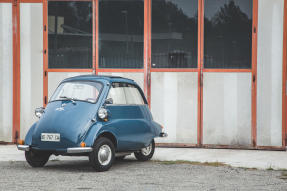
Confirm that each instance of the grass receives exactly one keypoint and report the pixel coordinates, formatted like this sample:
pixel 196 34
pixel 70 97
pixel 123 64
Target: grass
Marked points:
pixel 270 168
pixel 215 164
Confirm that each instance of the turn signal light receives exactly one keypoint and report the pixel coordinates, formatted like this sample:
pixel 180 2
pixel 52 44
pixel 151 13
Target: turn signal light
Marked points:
pixel 21 142
pixel 83 144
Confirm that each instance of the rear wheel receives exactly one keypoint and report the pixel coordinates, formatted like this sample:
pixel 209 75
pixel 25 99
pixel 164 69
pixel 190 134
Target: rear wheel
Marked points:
pixel 36 158
pixel 145 153
pixel 103 154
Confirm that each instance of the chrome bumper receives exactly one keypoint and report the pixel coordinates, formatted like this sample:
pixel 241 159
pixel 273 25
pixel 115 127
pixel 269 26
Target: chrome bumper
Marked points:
pixel 23 147
pixel 162 134
pixel 80 150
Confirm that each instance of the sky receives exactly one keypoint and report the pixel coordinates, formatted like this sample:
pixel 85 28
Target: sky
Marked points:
pixel 189 7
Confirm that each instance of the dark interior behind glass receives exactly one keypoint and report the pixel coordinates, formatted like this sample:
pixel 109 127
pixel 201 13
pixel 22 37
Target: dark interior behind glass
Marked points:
pixel 121 26
pixel 70 34
pixel 227 33
pixel 174 33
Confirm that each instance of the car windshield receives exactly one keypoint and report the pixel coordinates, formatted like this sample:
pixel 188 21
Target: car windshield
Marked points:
pixel 80 90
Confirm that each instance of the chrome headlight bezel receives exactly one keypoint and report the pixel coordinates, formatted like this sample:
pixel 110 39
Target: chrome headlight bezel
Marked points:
pixel 103 113
pixel 39 112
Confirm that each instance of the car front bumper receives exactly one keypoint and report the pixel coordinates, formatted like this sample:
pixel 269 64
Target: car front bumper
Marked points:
pixel 162 134
pixel 69 150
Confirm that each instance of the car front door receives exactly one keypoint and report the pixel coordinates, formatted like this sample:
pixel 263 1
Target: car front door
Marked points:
pixel 129 116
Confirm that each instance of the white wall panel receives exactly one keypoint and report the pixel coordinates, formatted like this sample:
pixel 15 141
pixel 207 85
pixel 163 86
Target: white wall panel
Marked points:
pixel 6 72
pixel 174 105
pixel 31 59
pixel 54 79
pixel 269 72
pixel 227 108
pixel 138 77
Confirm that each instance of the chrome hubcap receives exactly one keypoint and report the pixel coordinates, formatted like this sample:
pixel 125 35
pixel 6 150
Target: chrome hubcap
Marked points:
pixel 105 155
pixel 146 151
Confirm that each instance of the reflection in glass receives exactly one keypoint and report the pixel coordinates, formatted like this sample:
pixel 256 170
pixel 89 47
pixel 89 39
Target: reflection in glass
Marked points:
pixel 174 33
pixel 121 26
pixel 70 34
pixel 227 33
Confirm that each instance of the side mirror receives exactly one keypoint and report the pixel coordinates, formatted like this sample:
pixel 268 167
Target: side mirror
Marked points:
pixel 109 101
pixel 39 111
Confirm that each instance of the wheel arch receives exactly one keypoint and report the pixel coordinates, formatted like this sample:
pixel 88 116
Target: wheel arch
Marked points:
pixel 108 135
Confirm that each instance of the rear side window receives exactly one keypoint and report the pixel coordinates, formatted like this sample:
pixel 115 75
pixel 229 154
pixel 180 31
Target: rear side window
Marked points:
pixel 127 94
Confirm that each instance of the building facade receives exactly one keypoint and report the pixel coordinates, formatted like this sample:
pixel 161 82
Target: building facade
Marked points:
pixel 213 71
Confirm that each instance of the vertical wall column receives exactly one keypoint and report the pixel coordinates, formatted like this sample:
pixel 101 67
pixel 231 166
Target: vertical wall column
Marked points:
pixel 269 73
pixel 45 52
pixel 284 70
pixel 16 69
pixel 147 49
pixel 254 74
pixel 199 70
pixel 95 36
pixel 31 60
pixel 6 72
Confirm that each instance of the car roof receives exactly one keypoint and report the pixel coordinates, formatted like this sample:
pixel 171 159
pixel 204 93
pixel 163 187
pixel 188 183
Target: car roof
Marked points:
pixel 93 77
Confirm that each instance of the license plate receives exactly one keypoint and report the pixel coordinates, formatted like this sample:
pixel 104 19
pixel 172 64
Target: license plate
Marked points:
pixel 53 137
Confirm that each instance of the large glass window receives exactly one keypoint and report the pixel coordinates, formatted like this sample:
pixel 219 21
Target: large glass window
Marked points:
pixel 227 33
pixel 121 26
pixel 174 33
pixel 70 34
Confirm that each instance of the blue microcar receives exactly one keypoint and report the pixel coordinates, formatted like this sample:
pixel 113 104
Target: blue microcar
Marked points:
pixel 103 117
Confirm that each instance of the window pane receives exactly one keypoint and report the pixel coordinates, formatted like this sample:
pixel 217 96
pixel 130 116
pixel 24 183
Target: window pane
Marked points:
pixel 84 91
pixel 121 25
pixel 174 33
pixel 123 93
pixel 118 95
pixel 70 34
pixel 227 33
pixel 133 96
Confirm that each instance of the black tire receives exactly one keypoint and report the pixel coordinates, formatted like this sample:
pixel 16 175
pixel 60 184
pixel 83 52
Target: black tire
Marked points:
pixel 36 158
pixel 98 165
pixel 141 156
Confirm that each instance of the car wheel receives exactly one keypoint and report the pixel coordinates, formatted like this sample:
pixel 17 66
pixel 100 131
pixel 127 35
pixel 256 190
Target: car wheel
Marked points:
pixel 36 159
pixel 145 153
pixel 103 154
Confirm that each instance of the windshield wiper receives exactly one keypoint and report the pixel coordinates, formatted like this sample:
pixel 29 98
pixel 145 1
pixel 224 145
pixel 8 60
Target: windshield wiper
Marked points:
pixel 69 98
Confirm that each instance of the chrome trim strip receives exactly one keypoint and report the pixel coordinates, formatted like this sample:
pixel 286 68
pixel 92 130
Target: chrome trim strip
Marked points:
pixel 79 150
pixel 23 147
pixel 121 154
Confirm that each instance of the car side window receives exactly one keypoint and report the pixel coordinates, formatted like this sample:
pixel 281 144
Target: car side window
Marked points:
pixel 124 93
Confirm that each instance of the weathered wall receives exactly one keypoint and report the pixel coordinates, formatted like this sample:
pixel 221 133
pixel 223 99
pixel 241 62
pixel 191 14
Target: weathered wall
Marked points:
pixel 6 72
pixel 227 108
pixel 31 59
pixel 174 105
pixel 269 72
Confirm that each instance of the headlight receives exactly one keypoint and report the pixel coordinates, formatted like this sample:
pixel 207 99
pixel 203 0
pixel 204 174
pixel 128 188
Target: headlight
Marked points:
pixel 39 112
pixel 103 113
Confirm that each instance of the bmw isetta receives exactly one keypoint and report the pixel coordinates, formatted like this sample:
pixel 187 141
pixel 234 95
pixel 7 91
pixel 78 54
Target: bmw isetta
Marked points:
pixel 102 117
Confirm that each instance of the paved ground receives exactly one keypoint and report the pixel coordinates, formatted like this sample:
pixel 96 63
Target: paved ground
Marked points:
pixel 236 158
pixel 132 175
pixel 171 169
